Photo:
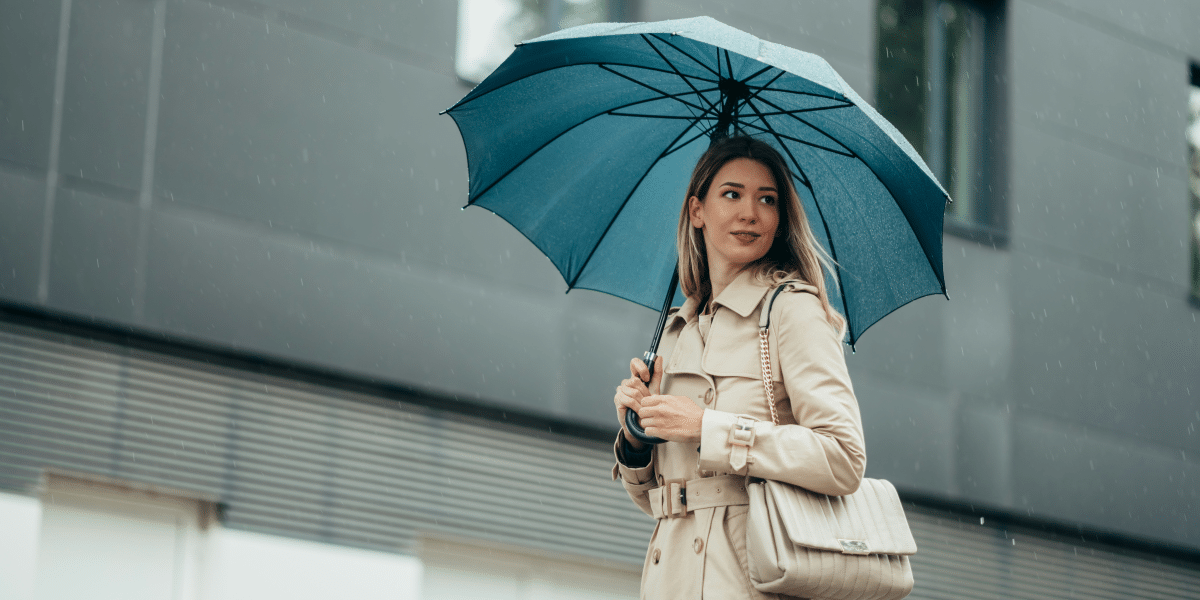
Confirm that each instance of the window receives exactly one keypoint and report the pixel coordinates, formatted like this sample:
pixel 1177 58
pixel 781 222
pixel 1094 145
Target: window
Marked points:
pixel 488 29
pixel 1193 138
pixel 111 539
pixel 460 569
pixel 932 65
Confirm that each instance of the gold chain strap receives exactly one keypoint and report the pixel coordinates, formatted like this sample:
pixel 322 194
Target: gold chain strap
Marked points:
pixel 765 354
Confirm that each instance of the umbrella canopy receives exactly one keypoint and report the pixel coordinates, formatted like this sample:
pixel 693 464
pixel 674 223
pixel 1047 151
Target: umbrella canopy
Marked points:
pixel 584 141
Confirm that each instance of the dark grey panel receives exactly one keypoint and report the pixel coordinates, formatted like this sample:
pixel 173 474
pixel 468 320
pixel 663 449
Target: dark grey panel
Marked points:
pixel 1071 79
pixel 288 297
pixel 1067 472
pixel 1164 26
pixel 426 30
pixel 910 431
pixel 983 456
pixel 1093 206
pixel 1105 354
pixel 978 343
pixel 28 52
pixel 908 344
pixel 104 107
pixel 22 202
pixel 92 256
pixel 293 131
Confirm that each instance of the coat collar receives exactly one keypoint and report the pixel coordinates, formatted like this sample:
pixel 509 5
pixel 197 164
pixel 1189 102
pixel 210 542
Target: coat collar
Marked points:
pixel 742 296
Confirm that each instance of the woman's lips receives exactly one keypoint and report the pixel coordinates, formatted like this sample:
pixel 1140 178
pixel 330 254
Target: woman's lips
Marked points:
pixel 745 237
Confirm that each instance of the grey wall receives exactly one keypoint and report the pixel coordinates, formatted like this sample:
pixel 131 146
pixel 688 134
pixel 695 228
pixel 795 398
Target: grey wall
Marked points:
pixel 273 177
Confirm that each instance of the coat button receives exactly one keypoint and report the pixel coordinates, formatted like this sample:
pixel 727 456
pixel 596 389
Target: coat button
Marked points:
pixel 708 396
pixel 656 555
pixel 698 545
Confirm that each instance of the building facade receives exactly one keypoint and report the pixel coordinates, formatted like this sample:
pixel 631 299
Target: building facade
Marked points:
pixel 247 331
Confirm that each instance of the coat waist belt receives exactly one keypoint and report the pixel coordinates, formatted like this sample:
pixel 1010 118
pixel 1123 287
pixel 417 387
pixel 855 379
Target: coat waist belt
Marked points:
pixel 678 498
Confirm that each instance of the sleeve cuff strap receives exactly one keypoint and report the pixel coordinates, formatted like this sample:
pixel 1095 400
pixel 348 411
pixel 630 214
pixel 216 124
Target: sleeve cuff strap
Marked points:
pixel 726 439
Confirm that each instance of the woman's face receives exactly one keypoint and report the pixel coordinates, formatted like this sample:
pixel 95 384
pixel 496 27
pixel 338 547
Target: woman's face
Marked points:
pixel 739 215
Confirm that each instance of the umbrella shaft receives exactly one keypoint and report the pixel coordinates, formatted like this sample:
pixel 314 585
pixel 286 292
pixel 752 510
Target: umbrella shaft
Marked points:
pixel 662 318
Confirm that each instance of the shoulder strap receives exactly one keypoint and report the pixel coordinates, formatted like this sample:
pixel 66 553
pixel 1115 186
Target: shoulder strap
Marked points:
pixel 764 350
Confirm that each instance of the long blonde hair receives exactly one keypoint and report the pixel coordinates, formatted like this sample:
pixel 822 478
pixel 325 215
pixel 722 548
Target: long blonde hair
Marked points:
pixel 795 253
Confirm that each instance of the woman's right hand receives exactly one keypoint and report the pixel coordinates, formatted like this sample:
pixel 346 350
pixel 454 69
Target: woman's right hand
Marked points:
pixel 631 392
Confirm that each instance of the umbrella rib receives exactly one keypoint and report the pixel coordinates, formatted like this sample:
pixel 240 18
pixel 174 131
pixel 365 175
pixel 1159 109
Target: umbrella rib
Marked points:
pixel 617 213
pixel 751 97
pixel 646 38
pixel 818 129
pixel 803 176
pixel 702 133
pixel 804 110
pixel 760 72
pixel 694 59
pixel 671 117
pixel 805 142
pixel 784 91
pixel 469 100
pixel 662 95
pixel 685 76
pixel 675 97
pixel 542 147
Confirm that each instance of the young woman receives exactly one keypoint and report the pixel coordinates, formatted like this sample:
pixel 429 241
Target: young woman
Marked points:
pixel 742 232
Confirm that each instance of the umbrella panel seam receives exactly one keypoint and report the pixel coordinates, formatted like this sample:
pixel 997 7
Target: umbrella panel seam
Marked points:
pixel 476 197
pixel 617 213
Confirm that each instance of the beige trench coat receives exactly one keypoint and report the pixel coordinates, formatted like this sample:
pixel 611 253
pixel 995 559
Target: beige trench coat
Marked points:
pixel 817 445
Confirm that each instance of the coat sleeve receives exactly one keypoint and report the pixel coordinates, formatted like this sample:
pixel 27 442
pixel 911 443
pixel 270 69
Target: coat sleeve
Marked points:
pixel 637 480
pixel 824 450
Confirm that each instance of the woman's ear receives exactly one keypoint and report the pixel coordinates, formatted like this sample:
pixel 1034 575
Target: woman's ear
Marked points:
pixel 694 206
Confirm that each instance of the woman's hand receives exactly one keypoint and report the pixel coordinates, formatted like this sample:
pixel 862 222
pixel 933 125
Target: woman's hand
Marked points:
pixel 672 418
pixel 631 392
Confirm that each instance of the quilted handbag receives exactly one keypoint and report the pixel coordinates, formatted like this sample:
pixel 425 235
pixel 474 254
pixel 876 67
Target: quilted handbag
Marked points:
pixel 800 543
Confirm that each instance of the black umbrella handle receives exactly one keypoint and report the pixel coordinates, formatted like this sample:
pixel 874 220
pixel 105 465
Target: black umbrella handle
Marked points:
pixel 631 418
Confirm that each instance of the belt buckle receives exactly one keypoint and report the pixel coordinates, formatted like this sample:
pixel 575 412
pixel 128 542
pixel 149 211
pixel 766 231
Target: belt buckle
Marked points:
pixel 674 498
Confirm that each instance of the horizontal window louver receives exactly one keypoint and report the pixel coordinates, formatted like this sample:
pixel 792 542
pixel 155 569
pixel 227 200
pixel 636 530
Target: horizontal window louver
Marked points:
pixel 301 460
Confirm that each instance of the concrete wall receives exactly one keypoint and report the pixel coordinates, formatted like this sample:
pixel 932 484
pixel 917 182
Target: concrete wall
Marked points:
pixel 273 177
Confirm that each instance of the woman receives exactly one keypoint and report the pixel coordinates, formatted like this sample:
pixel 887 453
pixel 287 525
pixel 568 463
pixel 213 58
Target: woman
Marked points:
pixel 742 232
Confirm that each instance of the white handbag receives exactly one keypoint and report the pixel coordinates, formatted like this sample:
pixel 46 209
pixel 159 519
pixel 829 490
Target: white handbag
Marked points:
pixel 800 543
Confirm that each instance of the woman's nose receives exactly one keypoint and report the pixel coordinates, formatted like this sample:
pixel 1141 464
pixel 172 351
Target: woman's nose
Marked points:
pixel 749 214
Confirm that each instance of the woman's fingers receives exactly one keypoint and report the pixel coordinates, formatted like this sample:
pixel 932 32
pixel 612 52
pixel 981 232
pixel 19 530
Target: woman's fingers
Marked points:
pixel 638 369
pixel 656 381
pixel 636 387
pixel 673 418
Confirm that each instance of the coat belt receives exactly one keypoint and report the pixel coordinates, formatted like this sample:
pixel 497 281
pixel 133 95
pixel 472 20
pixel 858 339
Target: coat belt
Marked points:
pixel 678 498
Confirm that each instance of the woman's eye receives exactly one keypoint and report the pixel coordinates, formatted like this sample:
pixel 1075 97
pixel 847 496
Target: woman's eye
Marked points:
pixel 768 200
pixel 731 194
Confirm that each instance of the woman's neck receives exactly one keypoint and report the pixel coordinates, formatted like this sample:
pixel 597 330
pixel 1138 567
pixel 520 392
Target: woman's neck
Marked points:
pixel 720 275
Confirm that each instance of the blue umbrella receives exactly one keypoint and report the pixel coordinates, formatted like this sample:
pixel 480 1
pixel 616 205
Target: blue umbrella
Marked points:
pixel 584 141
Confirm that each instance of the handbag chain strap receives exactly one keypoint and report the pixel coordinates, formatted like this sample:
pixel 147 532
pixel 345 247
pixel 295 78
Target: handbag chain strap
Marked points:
pixel 764 349
pixel 765 354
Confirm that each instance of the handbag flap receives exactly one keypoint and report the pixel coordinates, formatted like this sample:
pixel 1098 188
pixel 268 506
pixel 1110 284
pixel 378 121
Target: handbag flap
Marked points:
pixel 869 521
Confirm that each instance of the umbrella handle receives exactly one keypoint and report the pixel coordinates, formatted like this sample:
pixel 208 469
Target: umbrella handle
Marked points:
pixel 631 418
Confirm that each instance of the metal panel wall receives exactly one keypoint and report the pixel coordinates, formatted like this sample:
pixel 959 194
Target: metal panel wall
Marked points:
pixel 300 461
pixel 312 462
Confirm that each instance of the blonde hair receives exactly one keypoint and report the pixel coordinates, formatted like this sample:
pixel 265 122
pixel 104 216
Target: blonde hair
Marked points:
pixel 795 253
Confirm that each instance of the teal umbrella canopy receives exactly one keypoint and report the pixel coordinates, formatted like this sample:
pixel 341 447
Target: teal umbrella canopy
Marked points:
pixel 584 141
